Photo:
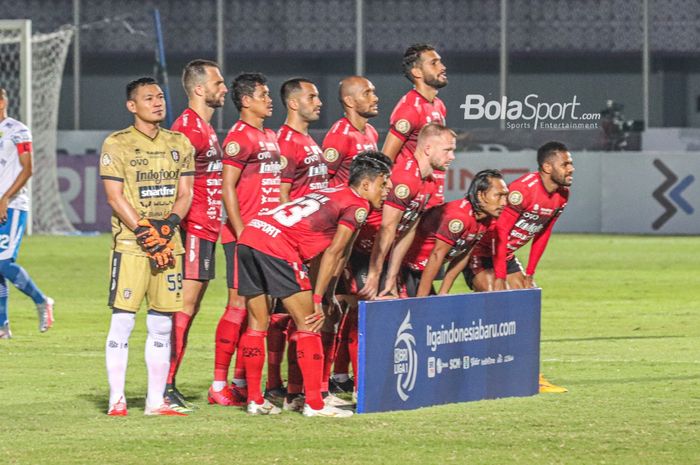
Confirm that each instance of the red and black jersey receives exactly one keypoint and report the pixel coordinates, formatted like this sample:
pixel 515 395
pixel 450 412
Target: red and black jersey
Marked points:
pixel 409 116
pixel 303 228
pixel 531 213
pixel 203 219
pixel 302 162
pixel 453 223
pixel 340 146
pixel 410 194
pixel 257 155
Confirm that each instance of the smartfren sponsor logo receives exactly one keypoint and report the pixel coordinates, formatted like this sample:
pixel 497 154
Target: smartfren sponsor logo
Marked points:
pixel 152 192
pixel 405 358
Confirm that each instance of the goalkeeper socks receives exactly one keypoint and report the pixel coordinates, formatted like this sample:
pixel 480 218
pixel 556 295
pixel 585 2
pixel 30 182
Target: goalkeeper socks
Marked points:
pixel 22 281
pixel 117 353
pixel 178 342
pixel 157 356
pixel 276 341
pixel 227 332
pixel 4 318
pixel 294 378
pixel 253 348
pixel 328 342
pixel 310 357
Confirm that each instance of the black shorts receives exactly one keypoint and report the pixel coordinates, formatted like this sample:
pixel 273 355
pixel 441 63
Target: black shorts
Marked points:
pixel 200 254
pixel 411 280
pixel 259 273
pixel 230 254
pixel 356 272
pixel 478 264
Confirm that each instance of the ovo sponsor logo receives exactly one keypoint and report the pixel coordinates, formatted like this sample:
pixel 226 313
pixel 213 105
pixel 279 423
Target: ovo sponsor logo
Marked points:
pixel 405 358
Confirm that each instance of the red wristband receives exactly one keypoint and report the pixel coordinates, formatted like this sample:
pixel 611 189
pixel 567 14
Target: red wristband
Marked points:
pixel 317 299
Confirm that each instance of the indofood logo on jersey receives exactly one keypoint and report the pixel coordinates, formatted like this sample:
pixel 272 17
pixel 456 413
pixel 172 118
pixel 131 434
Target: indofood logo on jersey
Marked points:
pixel 405 358
pixel 530 113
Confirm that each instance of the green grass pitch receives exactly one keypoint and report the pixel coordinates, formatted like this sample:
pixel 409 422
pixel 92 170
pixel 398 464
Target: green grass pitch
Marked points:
pixel 620 329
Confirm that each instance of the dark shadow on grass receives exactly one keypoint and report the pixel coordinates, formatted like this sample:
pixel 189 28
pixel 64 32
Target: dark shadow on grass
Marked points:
pixel 101 401
pixel 610 338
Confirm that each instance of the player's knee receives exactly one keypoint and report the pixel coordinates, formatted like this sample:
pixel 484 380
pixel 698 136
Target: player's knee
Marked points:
pixel 12 271
pixel 516 281
pixel 159 324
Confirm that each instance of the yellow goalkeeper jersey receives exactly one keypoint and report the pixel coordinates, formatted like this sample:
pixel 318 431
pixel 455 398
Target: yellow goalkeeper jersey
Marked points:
pixel 150 170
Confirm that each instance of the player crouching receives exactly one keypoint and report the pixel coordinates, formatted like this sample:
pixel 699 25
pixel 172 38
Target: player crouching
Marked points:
pixel 272 253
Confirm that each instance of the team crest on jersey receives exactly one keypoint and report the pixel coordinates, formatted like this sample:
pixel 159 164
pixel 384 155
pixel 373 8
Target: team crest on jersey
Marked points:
pixel 403 126
pixel 360 215
pixel 232 149
pixel 106 159
pixel 175 154
pixel 515 198
pixel 283 162
pixel 402 191
pixel 456 226
pixel 330 154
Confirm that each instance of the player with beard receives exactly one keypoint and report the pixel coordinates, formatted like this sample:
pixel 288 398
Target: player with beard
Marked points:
pixel 352 133
pixel 448 232
pixel 348 136
pixel 423 66
pixel 206 91
pixel 535 202
pixel 250 186
pixel 272 256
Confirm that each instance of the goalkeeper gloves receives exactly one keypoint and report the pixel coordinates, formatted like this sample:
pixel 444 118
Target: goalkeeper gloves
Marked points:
pixel 155 235
pixel 162 258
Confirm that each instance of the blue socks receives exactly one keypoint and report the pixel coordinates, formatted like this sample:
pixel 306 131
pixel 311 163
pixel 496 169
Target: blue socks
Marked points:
pixel 22 281
pixel 3 301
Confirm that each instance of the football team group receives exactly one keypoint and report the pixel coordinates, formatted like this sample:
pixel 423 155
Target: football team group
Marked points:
pixel 307 230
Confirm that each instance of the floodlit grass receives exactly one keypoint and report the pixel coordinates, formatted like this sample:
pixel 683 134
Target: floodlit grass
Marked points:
pixel 620 329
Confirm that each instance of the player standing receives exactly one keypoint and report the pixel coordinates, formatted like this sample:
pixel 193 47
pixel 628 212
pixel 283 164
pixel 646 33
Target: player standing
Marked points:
pixel 251 184
pixel 147 173
pixel 15 170
pixel 206 91
pixel 272 254
pixel 535 202
pixel 423 66
pixel 447 233
pixel 352 133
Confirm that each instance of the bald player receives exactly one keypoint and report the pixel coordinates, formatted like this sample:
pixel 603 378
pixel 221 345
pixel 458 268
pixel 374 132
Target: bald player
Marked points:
pixel 352 133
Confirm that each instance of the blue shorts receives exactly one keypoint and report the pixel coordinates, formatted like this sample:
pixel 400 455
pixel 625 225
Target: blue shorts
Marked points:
pixel 11 232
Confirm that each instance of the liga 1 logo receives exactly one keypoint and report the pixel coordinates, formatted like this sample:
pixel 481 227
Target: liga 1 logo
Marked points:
pixel 405 358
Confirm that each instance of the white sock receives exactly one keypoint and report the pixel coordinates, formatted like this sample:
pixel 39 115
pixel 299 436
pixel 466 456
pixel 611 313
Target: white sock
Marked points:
pixel 218 385
pixel 157 356
pixel 117 353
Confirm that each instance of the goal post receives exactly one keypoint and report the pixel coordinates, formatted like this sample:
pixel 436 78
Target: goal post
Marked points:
pixel 31 69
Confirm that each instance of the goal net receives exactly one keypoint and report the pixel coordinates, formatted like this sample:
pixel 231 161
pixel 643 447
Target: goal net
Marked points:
pixel 33 91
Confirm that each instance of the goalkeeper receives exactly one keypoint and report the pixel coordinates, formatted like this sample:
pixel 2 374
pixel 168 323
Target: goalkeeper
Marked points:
pixel 147 173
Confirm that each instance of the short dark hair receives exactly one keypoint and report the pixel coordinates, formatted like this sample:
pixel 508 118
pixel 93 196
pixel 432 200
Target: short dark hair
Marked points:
pixel 195 72
pixel 290 86
pixel 481 183
pixel 548 151
pixel 411 57
pixel 136 83
pixel 369 164
pixel 244 85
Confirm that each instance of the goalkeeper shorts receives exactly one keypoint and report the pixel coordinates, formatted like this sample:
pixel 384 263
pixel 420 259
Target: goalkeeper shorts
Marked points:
pixel 131 279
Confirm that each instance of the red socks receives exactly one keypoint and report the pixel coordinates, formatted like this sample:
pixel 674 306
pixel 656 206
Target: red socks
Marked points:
pixel 310 359
pixel 276 342
pixel 353 340
pixel 328 341
pixel 227 333
pixel 178 342
pixel 252 347
pixel 294 378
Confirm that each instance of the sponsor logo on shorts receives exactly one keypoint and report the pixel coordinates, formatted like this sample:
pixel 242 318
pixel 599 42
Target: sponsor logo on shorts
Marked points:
pixel 150 192
pixel 330 154
pixel 515 198
pixel 127 293
pixel 403 126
